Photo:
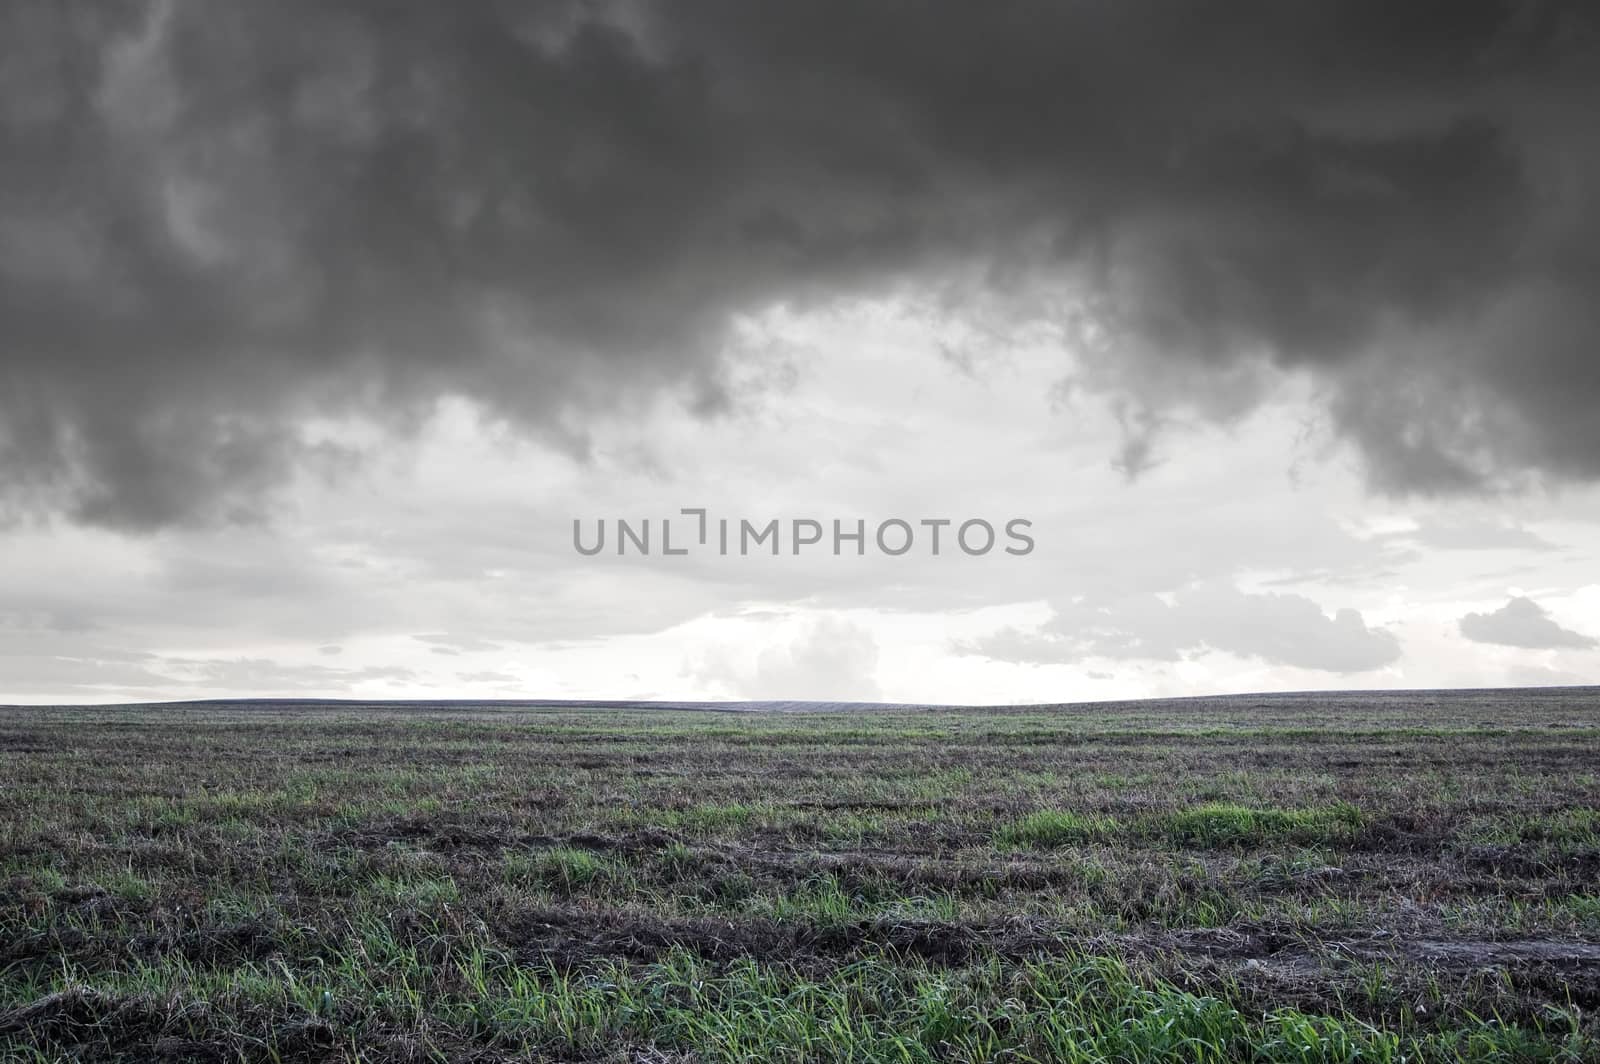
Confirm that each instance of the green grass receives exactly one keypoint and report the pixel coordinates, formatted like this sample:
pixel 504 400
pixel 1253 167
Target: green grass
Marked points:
pixel 1227 824
pixel 563 869
pixel 1048 828
pixel 1087 1009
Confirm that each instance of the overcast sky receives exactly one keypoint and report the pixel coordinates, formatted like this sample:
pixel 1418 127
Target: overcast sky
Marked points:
pixel 322 321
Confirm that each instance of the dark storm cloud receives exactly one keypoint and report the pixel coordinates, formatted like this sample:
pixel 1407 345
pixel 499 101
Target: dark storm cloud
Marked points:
pixel 1522 622
pixel 221 219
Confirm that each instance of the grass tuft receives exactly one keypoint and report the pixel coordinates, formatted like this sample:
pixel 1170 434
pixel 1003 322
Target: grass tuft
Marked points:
pixel 1050 828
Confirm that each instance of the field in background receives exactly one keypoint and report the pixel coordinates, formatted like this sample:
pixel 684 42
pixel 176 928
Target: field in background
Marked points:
pixel 1297 878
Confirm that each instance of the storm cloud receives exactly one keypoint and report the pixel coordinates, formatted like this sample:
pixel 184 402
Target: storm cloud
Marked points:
pixel 1522 622
pixel 223 224
pixel 1281 629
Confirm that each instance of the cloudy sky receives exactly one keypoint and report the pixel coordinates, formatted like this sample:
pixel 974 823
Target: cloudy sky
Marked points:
pixel 321 323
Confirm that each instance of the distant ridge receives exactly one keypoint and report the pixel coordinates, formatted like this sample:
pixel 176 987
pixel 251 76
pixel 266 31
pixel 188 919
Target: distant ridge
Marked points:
pixel 1414 699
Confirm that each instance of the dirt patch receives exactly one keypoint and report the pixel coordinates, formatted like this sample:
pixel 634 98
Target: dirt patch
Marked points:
pixel 1531 862
pixel 105 1026
pixel 22 743
pixel 220 945
pixel 1479 953
pixel 571 936
pixel 1267 943
pixel 450 835
pixel 1401 834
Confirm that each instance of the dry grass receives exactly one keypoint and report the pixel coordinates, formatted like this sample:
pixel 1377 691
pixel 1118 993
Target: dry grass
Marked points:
pixel 1274 879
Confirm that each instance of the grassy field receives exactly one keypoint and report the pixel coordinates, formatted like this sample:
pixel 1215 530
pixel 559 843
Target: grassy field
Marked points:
pixel 1340 878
